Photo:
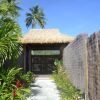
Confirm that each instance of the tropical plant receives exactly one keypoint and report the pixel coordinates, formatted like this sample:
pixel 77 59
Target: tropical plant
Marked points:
pixel 26 78
pixel 67 90
pixel 9 1
pixel 9 8
pixel 9 30
pixel 35 16
pixel 9 43
pixel 10 89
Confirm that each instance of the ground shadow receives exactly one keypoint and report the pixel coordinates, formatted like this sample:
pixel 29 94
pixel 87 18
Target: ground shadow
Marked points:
pixel 35 92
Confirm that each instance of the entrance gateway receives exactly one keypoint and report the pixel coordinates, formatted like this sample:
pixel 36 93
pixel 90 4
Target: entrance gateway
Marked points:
pixel 40 49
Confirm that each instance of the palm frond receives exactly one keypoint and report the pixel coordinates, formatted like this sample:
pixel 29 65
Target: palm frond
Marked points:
pixel 28 21
pixel 9 8
pixel 9 43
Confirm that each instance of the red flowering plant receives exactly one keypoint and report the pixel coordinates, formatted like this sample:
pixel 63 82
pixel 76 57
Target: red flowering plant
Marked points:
pixel 14 93
pixel 12 87
pixel 19 84
pixel 27 78
pixel 20 91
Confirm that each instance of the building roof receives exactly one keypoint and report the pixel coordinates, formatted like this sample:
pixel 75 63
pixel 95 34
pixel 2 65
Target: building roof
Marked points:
pixel 45 36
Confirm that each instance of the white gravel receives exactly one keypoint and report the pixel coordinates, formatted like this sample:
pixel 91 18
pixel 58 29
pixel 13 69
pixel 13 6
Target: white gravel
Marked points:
pixel 44 89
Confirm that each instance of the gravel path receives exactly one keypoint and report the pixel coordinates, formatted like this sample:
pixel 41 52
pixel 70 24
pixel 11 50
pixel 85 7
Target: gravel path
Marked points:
pixel 44 89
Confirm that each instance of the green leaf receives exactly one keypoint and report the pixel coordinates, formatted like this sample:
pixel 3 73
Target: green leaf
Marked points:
pixel 5 96
pixel 26 90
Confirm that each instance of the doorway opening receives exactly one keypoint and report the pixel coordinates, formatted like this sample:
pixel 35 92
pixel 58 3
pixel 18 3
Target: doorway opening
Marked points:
pixel 42 61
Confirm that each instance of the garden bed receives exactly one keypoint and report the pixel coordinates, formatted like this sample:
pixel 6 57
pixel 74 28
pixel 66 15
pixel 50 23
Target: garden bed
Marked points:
pixel 67 90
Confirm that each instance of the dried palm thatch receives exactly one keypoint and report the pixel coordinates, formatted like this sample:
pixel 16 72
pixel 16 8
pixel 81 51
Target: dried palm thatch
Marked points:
pixel 45 36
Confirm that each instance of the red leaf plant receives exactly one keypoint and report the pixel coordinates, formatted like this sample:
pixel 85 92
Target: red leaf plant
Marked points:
pixel 19 84
pixel 14 93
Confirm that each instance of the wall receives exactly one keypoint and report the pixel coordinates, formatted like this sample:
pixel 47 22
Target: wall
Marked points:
pixel 94 66
pixel 74 61
pixel 81 56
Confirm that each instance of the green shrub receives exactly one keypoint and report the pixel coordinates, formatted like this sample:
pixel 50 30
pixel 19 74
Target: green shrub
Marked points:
pixel 12 88
pixel 28 78
pixel 67 90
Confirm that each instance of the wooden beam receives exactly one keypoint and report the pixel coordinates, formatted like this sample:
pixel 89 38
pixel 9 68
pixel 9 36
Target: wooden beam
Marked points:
pixel 45 46
pixel 24 50
pixel 30 66
pixel 61 50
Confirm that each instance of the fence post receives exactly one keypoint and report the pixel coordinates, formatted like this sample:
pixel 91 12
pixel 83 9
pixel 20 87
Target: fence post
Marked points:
pixel 98 64
pixel 86 71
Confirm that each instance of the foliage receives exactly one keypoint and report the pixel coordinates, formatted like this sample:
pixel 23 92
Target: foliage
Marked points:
pixel 9 88
pixel 9 31
pixel 9 8
pixel 35 16
pixel 27 78
pixel 9 43
pixel 68 91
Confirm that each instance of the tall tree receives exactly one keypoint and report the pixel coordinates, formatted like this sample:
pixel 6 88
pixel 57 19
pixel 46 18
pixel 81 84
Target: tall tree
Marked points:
pixel 35 16
pixel 9 31
pixel 9 8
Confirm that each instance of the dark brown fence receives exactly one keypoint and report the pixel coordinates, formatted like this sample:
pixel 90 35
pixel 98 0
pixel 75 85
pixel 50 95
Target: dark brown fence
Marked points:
pixel 94 66
pixel 74 61
pixel 81 56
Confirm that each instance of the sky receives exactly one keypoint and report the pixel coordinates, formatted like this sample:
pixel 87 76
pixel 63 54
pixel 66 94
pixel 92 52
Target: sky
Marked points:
pixel 71 17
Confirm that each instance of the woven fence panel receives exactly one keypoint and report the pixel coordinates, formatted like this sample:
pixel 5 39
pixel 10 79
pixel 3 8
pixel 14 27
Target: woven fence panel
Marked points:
pixel 74 61
pixel 94 66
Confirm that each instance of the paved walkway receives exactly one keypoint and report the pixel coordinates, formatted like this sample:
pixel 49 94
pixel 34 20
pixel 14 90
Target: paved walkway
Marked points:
pixel 44 89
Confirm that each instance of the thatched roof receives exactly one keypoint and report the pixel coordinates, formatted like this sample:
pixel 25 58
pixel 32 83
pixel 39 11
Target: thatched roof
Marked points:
pixel 45 36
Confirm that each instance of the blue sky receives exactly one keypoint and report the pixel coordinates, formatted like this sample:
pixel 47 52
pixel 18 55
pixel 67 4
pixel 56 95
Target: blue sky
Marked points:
pixel 71 17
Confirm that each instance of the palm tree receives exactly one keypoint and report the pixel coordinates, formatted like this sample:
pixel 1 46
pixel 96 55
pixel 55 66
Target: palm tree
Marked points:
pixel 9 44
pixel 36 16
pixel 9 8
pixel 9 1
pixel 9 30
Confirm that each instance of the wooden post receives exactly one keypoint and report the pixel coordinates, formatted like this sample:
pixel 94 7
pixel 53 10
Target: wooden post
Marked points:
pixel 98 65
pixel 86 71
pixel 61 51
pixel 24 49
pixel 29 60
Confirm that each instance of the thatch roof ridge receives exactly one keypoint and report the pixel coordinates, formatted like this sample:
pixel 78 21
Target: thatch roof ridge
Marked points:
pixel 45 36
pixel 48 31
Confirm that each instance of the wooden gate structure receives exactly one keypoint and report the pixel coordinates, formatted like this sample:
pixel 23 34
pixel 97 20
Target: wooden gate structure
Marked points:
pixel 43 39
